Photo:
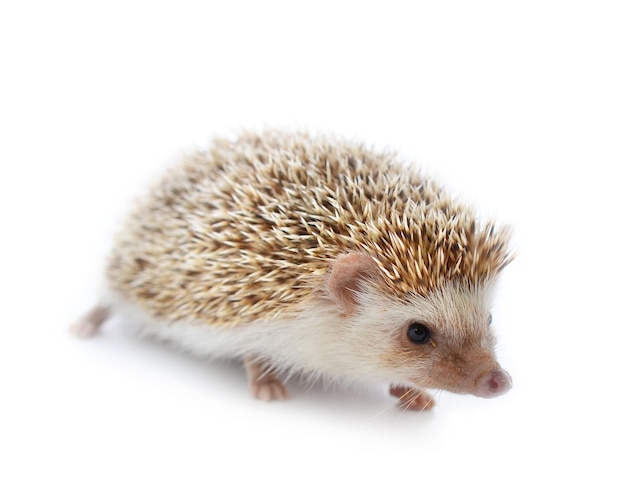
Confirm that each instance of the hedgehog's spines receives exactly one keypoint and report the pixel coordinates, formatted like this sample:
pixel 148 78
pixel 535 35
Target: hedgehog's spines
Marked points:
pixel 240 231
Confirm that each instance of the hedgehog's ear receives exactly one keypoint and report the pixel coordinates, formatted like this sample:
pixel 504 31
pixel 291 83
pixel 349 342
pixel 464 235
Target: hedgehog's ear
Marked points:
pixel 346 277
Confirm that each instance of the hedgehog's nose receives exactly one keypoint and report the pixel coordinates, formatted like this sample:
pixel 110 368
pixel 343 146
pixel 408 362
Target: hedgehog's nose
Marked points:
pixel 494 383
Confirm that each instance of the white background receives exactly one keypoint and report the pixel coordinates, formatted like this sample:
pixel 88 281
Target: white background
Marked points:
pixel 519 107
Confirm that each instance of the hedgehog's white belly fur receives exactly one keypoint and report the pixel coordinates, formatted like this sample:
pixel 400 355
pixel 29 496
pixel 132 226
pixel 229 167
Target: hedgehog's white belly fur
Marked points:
pixel 305 345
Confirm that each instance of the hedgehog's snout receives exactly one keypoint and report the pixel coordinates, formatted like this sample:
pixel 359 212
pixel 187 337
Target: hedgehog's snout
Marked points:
pixel 494 383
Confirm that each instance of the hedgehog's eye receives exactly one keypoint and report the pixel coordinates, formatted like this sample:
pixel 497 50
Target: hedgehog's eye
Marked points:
pixel 418 333
pixel 489 320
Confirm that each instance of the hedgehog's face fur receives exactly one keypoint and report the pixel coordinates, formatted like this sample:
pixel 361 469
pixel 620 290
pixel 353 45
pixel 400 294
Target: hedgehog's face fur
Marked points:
pixel 454 347
pixel 450 347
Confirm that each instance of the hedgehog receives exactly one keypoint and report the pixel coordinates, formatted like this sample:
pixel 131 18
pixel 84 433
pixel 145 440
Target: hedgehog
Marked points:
pixel 312 256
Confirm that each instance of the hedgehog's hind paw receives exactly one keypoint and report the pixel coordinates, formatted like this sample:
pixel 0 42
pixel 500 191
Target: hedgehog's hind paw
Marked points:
pixel 89 325
pixel 264 385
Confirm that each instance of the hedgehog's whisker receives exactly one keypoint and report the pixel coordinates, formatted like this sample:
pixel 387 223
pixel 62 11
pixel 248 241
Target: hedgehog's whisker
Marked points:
pixel 387 409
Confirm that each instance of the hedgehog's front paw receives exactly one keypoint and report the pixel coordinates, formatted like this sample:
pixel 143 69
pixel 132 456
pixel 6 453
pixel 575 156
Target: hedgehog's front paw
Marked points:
pixel 412 399
pixel 263 384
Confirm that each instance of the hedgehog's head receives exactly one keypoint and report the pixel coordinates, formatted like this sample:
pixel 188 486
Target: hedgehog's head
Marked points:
pixel 441 339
